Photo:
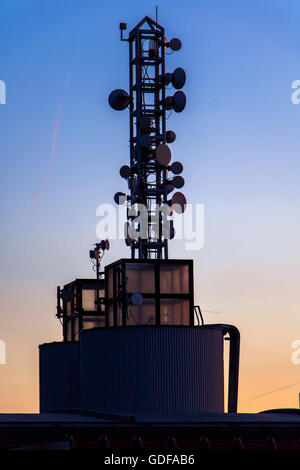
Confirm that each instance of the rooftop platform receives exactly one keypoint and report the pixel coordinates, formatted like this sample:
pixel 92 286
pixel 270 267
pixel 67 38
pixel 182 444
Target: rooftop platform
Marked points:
pixel 278 430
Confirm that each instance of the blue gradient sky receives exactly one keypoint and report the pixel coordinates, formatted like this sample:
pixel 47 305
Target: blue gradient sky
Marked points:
pixel 239 141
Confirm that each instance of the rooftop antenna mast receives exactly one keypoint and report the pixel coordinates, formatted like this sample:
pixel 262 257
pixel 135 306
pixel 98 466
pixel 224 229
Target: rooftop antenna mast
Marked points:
pixel 147 230
pixel 96 256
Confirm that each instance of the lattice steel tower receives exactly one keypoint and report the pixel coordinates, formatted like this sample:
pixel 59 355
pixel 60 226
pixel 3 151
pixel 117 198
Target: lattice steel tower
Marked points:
pixel 148 176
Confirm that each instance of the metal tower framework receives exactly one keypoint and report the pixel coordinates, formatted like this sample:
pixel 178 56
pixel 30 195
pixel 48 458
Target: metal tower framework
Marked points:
pixel 150 155
pixel 148 128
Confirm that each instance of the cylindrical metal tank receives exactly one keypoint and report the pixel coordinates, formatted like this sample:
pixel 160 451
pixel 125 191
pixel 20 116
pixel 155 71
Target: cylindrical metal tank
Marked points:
pixel 153 371
pixel 60 385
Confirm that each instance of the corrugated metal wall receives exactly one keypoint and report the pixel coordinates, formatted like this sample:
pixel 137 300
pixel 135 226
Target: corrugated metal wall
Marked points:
pixel 60 385
pixel 152 370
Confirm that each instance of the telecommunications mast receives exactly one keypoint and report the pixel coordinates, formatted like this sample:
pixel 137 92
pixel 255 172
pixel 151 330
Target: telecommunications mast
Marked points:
pixel 149 175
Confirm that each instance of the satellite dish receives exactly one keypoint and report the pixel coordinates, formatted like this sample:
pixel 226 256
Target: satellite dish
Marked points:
pixel 125 171
pixel 178 182
pixel 119 99
pixel 67 295
pixel 120 198
pixel 177 78
pixel 175 44
pixel 176 168
pixel 179 101
pixel 176 102
pixel 170 137
pixel 163 154
pixel 178 202
pixel 136 299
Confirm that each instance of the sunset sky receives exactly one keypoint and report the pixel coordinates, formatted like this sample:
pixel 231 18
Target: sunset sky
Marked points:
pixel 61 148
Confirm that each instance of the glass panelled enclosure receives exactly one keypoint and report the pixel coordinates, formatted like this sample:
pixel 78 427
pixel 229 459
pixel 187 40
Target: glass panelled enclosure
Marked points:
pixel 78 307
pixel 158 292
pixel 134 292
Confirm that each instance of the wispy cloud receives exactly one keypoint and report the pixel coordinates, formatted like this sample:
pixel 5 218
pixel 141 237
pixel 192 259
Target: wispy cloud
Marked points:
pixel 256 397
pixel 53 143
